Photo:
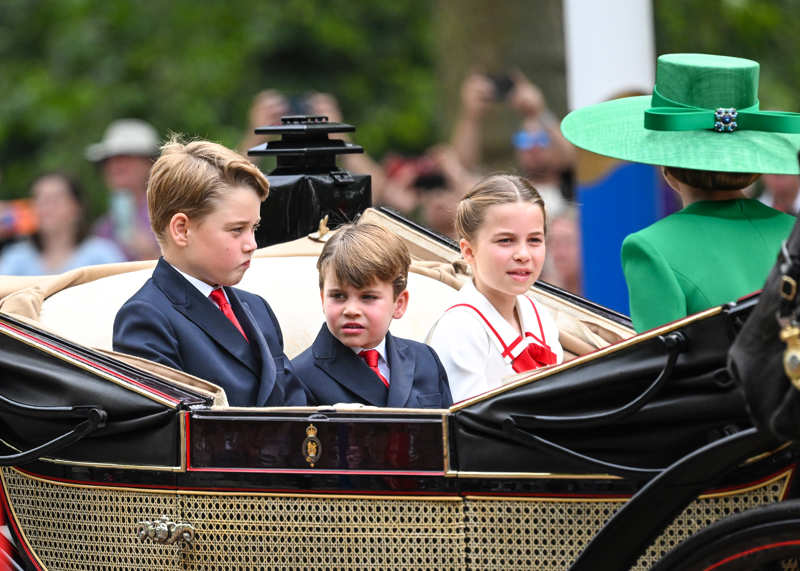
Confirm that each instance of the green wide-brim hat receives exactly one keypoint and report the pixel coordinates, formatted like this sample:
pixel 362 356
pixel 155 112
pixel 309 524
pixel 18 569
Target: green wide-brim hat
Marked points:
pixel 703 114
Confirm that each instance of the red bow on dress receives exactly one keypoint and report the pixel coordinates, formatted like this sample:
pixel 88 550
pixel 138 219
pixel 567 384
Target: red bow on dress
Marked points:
pixel 533 357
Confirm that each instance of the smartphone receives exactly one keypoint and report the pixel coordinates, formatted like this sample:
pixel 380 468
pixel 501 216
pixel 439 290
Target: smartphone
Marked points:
pixel 298 105
pixel 503 84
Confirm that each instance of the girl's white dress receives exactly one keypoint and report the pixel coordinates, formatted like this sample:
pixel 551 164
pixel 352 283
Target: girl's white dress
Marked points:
pixel 479 348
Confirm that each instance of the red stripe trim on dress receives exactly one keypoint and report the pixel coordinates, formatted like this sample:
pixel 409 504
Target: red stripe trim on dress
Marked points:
pixel 508 348
pixel 505 347
pixel 539 319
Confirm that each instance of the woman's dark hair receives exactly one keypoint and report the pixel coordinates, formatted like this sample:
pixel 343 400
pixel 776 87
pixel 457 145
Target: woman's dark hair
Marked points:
pixel 76 191
pixel 713 180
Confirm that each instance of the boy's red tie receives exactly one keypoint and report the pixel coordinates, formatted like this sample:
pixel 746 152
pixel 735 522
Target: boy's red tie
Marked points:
pixel 218 296
pixel 370 356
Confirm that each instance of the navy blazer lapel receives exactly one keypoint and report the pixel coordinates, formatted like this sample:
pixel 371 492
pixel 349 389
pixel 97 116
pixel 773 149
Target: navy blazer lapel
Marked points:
pixel 203 313
pixel 248 322
pixel 347 369
pixel 401 372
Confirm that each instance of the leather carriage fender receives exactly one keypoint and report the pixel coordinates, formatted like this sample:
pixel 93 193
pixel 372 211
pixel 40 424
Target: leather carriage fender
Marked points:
pixel 95 419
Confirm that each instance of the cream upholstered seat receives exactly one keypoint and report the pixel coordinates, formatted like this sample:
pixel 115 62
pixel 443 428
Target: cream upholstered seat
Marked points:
pixel 85 312
pixel 81 305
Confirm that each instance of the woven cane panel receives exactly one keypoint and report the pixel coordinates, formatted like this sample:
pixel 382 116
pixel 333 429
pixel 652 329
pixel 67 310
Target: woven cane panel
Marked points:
pixel 257 532
pixel 92 528
pixel 88 528
pixel 509 534
pixel 705 511
pixel 549 535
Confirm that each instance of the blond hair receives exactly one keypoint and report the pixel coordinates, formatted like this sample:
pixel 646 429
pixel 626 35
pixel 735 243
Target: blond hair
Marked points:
pixel 360 254
pixel 192 177
pixel 492 190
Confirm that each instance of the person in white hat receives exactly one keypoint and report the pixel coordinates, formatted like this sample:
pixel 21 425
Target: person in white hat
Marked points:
pixel 125 155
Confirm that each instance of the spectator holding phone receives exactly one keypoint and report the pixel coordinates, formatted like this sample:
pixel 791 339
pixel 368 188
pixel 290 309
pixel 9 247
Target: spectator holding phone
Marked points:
pixel 541 152
pixel 124 157
pixel 267 108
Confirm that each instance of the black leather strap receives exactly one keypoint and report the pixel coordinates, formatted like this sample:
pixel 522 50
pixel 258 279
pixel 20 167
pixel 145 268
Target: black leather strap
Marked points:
pixel 788 309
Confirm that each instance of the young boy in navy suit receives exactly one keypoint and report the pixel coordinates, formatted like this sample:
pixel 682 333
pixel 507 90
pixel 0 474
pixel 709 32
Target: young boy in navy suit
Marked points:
pixel 363 272
pixel 204 202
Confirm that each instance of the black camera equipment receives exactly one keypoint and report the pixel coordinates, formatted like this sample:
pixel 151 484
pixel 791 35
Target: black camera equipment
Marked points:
pixel 306 185
pixel 503 84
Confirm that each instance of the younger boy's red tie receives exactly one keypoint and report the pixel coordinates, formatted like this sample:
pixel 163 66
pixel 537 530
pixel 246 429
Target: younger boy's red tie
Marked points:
pixel 370 356
pixel 218 296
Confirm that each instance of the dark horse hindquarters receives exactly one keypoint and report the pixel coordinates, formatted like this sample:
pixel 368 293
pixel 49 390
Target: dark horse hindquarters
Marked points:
pixel 756 356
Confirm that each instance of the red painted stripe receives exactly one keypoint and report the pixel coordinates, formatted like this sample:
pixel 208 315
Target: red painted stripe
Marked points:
pixel 188 440
pixel 91 363
pixel 751 551
pixel 5 508
pixel 326 472
pixel 735 487
pixel 548 495
pixel 294 491
pixel 5 545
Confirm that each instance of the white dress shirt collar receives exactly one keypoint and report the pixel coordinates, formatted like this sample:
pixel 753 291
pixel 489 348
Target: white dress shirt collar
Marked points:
pixel 201 286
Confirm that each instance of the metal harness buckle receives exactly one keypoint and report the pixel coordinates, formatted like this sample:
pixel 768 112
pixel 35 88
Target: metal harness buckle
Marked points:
pixel 788 288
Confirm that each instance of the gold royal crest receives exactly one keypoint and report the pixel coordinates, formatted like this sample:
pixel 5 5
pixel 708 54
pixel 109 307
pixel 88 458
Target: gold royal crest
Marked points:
pixel 312 446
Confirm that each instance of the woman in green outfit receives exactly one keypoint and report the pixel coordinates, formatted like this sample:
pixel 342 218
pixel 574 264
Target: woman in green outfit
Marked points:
pixel 703 126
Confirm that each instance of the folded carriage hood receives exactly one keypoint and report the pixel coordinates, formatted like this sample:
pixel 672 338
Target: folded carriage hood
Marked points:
pixel 696 404
pixel 142 420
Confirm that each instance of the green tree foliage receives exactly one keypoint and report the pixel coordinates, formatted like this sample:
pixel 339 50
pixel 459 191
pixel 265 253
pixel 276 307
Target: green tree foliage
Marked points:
pixel 762 30
pixel 69 67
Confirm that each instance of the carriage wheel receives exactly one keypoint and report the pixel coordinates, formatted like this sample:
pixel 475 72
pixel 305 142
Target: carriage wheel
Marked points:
pixel 763 539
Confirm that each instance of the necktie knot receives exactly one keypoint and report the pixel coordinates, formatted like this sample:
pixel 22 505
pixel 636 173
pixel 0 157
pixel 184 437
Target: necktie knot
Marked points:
pixel 370 357
pixel 218 297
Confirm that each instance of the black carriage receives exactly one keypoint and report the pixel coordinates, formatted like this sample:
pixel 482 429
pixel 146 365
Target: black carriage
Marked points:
pixel 631 448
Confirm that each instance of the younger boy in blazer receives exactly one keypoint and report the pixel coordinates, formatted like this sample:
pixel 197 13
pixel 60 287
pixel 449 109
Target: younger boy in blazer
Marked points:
pixel 204 202
pixel 363 272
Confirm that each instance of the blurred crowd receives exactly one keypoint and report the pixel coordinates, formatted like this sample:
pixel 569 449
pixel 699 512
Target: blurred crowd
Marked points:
pixel 56 235
pixel 427 187
pixel 49 231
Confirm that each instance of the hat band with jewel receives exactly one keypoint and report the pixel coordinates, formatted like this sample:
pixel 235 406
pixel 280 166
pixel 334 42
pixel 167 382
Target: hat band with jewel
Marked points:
pixel 703 114
pixel 668 115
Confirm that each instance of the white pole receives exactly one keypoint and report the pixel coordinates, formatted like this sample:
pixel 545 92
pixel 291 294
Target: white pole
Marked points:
pixel 610 49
